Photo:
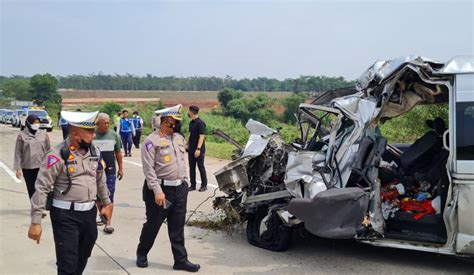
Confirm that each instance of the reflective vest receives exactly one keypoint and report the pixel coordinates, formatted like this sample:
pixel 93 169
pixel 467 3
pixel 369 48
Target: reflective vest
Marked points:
pixel 125 125
pixel 137 122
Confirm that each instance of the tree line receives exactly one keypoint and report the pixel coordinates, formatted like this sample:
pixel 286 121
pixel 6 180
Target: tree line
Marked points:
pixel 211 83
pixel 40 88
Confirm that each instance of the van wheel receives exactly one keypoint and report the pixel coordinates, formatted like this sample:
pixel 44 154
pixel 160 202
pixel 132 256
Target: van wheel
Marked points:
pixel 49 130
pixel 22 127
pixel 268 232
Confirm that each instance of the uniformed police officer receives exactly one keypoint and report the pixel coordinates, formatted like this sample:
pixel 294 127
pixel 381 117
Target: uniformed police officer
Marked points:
pixel 30 148
pixel 165 190
pixel 70 172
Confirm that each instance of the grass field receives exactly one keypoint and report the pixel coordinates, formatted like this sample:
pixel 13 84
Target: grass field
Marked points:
pixel 92 100
pixel 204 99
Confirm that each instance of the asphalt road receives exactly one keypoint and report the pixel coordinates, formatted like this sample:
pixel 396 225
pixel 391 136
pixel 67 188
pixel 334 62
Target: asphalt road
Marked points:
pixel 217 252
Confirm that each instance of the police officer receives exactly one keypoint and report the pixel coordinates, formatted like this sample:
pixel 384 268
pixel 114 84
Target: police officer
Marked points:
pixel 70 171
pixel 165 189
pixel 30 148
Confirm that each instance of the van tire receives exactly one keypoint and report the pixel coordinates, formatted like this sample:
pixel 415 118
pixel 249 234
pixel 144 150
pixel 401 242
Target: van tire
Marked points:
pixel 277 236
pixel 49 130
pixel 22 127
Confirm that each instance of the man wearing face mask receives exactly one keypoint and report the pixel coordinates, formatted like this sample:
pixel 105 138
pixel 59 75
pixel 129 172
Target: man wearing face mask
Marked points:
pixel 71 176
pixel 31 146
pixel 165 190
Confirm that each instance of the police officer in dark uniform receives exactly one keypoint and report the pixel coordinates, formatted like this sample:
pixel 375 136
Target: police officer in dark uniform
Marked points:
pixel 165 190
pixel 70 180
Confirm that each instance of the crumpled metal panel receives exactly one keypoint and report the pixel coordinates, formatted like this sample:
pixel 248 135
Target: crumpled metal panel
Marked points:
pixel 383 69
pixel 299 169
pixel 334 213
pixel 259 137
pixel 233 176
pixel 258 128
pixel 459 65
pixel 255 145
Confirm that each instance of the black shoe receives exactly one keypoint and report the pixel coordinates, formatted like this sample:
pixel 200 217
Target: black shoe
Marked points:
pixel 203 188
pixel 187 266
pixel 192 188
pixel 129 154
pixel 142 261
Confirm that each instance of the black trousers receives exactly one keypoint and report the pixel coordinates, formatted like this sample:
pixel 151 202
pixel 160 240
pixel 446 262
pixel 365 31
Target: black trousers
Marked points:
pixel 136 138
pixel 75 233
pixel 192 168
pixel 156 215
pixel 30 176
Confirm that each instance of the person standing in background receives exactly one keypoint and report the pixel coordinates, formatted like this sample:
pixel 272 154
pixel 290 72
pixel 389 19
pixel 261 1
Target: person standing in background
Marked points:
pixel 138 124
pixel 117 118
pixel 127 132
pixel 197 148
pixel 110 145
pixel 32 144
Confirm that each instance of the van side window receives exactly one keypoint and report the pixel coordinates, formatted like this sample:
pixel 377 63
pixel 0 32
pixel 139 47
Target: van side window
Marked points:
pixel 465 130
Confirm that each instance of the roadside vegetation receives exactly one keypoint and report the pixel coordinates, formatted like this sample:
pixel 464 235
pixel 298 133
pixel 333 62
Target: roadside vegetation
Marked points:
pixel 235 108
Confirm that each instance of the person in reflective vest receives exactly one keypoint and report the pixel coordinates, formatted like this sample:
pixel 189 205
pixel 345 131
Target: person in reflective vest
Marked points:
pixel 138 124
pixel 127 131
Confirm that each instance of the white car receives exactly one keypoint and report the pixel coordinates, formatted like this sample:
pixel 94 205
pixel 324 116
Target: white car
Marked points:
pixel 16 118
pixel 45 120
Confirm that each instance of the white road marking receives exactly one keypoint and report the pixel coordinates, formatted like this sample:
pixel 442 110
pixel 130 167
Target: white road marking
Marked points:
pixel 139 165
pixel 132 162
pixel 9 172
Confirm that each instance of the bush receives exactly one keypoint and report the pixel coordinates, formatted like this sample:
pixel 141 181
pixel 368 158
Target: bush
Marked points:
pixel 291 105
pixel 412 125
pixel 52 108
pixel 226 95
pixel 111 108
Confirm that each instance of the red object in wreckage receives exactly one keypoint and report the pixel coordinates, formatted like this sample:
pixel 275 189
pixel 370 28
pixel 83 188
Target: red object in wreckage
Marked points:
pixel 422 208
pixel 390 195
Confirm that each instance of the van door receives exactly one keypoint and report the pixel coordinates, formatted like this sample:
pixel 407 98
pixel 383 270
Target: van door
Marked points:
pixel 462 144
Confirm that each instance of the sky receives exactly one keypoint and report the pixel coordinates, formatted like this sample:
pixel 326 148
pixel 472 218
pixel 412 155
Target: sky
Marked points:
pixel 280 39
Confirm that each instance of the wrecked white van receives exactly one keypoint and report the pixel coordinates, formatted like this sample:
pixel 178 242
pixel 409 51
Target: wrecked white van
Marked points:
pixel 342 179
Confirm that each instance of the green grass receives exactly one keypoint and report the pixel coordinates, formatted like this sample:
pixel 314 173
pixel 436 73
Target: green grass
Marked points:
pixel 219 150
pixel 404 129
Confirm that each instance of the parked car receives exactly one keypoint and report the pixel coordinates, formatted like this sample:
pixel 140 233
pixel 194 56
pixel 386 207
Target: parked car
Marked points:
pixel 342 180
pixel 45 120
pixel 16 118
pixel 8 117
pixel 2 112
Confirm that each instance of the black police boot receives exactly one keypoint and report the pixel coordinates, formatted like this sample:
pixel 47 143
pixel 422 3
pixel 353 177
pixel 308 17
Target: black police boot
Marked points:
pixel 187 266
pixel 203 188
pixel 192 188
pixel 142 261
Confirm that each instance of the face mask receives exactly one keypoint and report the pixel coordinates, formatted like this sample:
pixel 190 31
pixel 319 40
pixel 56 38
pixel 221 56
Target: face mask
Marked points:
pixel 177 127
pixel 32 127
pixel 84 145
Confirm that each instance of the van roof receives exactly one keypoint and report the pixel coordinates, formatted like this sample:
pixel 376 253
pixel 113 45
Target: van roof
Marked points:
pixel 463 64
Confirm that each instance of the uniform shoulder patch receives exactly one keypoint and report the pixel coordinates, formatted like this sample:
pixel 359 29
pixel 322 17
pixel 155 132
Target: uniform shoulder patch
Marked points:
pixel 148 145
pixel 52 160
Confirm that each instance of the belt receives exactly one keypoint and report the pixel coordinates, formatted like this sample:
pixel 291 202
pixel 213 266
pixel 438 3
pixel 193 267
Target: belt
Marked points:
pixel 177 182
pixel 77 206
